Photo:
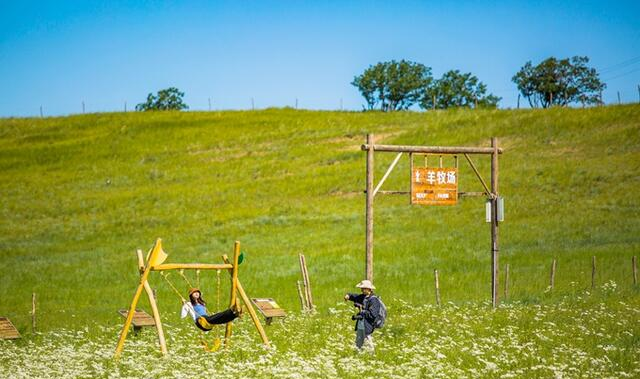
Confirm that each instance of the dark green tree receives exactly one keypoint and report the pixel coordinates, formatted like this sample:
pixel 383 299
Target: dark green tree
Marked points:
pixel 168 99
pixel 457 89
pixel 393 85
pixel 559 82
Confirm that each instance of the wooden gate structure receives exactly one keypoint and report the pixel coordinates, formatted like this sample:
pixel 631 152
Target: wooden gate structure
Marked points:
pixel 491 193
pixel 155 262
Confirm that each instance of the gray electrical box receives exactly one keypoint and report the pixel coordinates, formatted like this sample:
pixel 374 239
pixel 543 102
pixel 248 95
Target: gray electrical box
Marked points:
pixel 500 210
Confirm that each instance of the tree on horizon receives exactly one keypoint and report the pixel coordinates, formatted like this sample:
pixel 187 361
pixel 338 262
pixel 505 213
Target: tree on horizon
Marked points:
pixel 559 82
pixel 168 99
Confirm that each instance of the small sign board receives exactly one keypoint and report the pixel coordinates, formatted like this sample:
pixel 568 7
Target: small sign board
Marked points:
pixel 434 186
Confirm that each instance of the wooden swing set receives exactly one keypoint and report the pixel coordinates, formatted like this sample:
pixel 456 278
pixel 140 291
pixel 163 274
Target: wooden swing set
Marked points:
pixel 155 262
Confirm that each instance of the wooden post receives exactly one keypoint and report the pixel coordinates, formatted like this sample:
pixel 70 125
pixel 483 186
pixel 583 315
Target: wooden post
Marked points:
pixel 154 307
pixel 619 102
pixel 434 102
pixel 249 307
pixel 369 210
pixel 410 177
pixel 132 311
pixel 494 222
pixel 156 317
pixel 634 267
pixel 41 115
pixel 209 104
pixel 552 279
pixel 306 282
pixel 140 261
pixel 83 107
pixel 506 282
pixel 593 272
pixel 303 302
pixel 33 313
pixel 440 162
pixel 125 107
pixel 234 288
pixel 518 101
pixel 437 282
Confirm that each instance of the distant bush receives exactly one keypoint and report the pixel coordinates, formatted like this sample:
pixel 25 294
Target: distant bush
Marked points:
pixel 456 89
pixel 559 82
pixel 169 99
pixel 392 86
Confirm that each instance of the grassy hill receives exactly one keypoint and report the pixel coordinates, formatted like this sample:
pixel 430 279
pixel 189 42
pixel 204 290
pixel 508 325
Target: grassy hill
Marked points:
pixel 81 193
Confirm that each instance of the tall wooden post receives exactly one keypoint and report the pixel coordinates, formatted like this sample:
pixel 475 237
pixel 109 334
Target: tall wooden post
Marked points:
pixel 33 313
pixel 634 268
pixel 593 272
pixel 552 278
pixel 154 306
pixel 249 307
pixel 494 222
pixel 369 210
pixel 437 283
pixel 132 311
pixel 506 282
pixel 234 288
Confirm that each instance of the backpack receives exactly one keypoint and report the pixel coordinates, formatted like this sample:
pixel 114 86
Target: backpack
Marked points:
pixel 381 317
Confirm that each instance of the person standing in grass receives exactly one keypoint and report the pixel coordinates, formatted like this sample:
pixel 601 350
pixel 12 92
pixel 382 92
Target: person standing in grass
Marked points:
pixel 368 305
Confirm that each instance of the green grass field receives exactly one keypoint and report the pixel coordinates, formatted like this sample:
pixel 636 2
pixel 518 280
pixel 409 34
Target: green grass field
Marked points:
pixel 81 193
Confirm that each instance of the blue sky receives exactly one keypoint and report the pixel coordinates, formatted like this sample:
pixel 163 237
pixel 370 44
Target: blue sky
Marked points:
pixel 58 54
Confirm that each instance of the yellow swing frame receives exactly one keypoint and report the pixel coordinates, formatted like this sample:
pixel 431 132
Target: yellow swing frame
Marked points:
pixel 155 262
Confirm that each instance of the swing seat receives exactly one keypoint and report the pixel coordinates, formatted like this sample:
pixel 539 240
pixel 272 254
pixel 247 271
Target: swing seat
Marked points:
pixel 207 323
pixel 210 349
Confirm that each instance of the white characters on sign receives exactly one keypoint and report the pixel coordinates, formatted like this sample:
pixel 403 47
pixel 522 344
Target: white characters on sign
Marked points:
pixel 442 177
pixel 451 177
pixel 417 176
pixel 431 177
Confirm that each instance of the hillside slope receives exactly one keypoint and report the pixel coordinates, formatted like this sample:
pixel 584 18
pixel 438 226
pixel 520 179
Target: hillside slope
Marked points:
pixel 81 193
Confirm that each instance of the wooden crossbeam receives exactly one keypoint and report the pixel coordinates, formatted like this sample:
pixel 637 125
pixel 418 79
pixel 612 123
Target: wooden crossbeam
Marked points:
pixel 191 266
pixel 431 149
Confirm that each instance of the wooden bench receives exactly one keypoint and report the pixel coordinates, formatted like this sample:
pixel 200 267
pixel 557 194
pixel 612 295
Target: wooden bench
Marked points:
pixel 140 319
pixel 269 309
pixel 7 330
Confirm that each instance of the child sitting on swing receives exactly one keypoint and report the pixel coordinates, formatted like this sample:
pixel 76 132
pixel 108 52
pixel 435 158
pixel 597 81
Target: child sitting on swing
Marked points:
pixel 196 308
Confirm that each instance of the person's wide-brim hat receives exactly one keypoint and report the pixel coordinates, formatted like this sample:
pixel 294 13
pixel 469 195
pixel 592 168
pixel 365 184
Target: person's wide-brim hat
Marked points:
pixel 193 290
pixel 366 284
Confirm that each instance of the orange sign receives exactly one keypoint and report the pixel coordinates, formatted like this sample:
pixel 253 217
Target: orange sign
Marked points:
pixel 434 186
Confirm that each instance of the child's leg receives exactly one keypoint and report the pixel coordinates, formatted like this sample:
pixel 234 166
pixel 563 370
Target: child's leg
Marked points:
pixel 222 317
